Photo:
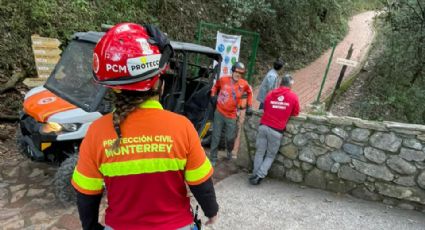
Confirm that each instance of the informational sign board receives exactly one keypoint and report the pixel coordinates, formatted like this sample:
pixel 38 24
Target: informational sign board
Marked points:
pixel 346 62
pixel 46 55
pixel 229 47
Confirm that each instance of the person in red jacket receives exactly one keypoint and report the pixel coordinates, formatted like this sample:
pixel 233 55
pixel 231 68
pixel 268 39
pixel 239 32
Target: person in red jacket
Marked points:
pixel 279 105
pixel 143 156
pixel 230 90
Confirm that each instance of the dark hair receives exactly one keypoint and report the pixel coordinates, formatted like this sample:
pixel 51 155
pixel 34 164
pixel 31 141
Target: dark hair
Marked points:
pixel 126 102
pixel 278 64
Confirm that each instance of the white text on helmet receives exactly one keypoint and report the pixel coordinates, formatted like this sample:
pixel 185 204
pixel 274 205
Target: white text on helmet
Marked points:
pixel 116 68
pixel 144 45
pixel 141 65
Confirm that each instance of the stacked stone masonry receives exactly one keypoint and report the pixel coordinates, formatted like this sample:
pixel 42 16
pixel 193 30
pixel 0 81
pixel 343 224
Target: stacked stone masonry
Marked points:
pixel 379 161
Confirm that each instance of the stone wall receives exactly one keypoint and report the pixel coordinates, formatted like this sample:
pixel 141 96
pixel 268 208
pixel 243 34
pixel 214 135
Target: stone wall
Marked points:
pixel 380 161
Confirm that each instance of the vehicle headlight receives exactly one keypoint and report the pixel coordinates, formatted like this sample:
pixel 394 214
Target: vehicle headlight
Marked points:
pixel 54 127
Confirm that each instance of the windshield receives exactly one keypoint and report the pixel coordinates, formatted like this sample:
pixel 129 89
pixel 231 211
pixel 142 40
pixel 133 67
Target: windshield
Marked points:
pixel 72 77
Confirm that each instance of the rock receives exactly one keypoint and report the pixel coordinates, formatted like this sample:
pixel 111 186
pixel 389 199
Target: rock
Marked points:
pixel 289 151
pixel 360 135
pixel 418 195
pixel 395 191
pixel 3 193
pixel 412 155
pixel 294 175
pixel 379 126
pixel 317 119
pixel 297 163
pixel 341 121
pixel 288 163
pixel 306 166
pixel 421 137
pixel 292 128
pixel 325 163
pixel 346 172
pixel 307 155
pixel 300 140
pixel 285 141
pixel 340 186
pixel 340 157
pixel 406 206
pixel 412 143
pixel 39 217
pixel 401 166
pixel 333 141
pixel 17 195
pixel 15 222
pixel 310 126
pixel 35 173
pixel 405 181
pixel 277 171
pixel 315 178
pixel 355 151
pixel 421 180
pixel 11 172
pixel 15 188
pixel 35 192
pixel 312 136
pixel 363 193
pixel 385 141
pixel 375 155
pixel 380 172
pixel 340 132
pixel 323 129
pixel 279 158
pixel 335 167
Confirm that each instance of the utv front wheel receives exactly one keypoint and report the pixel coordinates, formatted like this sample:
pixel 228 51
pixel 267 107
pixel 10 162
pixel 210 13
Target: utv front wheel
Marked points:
pixel 62 181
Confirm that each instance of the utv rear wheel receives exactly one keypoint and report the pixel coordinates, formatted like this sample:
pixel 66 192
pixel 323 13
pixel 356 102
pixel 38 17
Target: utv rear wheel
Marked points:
pixel 62 181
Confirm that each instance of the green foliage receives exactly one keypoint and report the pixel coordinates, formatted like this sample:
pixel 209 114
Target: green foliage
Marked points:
pixel 396 88
pixel 298 30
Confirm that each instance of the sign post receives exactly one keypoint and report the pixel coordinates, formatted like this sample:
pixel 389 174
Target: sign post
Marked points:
pixel 344 62
pixel 326 73
pixel 46 55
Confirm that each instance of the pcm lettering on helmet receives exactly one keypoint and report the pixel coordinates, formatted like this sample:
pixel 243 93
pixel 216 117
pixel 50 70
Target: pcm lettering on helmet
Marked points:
pixel 145 46
pixel 46 100
pixel 95 63
pixel 140 65
pixel 116 68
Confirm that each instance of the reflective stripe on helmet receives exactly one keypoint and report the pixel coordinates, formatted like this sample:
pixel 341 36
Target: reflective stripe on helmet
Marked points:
pixel 142 166
pixel 87 183
pixel 199 173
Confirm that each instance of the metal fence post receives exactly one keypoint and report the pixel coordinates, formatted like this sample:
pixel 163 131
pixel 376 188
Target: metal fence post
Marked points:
pixel 326 73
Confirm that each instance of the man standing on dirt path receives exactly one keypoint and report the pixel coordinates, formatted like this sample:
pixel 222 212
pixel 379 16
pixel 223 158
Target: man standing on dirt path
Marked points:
pixel 270 81
pixel 280 104
pixel 229 90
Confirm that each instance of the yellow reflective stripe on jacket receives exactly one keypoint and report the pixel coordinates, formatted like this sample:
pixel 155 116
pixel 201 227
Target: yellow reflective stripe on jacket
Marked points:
pixel 142 166
pixel 92 184
pixel 199 173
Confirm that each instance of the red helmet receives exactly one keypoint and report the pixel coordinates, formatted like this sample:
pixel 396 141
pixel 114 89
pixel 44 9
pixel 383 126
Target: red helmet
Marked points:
pixel 128 58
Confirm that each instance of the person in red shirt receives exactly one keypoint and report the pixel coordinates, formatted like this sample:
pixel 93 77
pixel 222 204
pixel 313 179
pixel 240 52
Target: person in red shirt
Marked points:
pixel 279 105
pixel 230 90
pixel 143 156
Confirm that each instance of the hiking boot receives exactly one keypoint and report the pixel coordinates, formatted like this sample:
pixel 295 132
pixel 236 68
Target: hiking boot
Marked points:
pixel 256 180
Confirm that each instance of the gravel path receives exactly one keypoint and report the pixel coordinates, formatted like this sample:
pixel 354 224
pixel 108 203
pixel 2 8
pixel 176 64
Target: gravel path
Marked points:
pixel 277 205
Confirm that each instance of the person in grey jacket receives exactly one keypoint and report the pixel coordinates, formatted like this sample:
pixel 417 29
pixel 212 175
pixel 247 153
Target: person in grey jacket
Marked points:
pixel 270 81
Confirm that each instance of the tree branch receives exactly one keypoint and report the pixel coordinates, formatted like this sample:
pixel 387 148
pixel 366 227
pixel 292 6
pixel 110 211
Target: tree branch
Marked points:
pixel 16 77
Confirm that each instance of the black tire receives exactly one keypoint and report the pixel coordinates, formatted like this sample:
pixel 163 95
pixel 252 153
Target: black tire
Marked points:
pixel 64 190
pixel 20 143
